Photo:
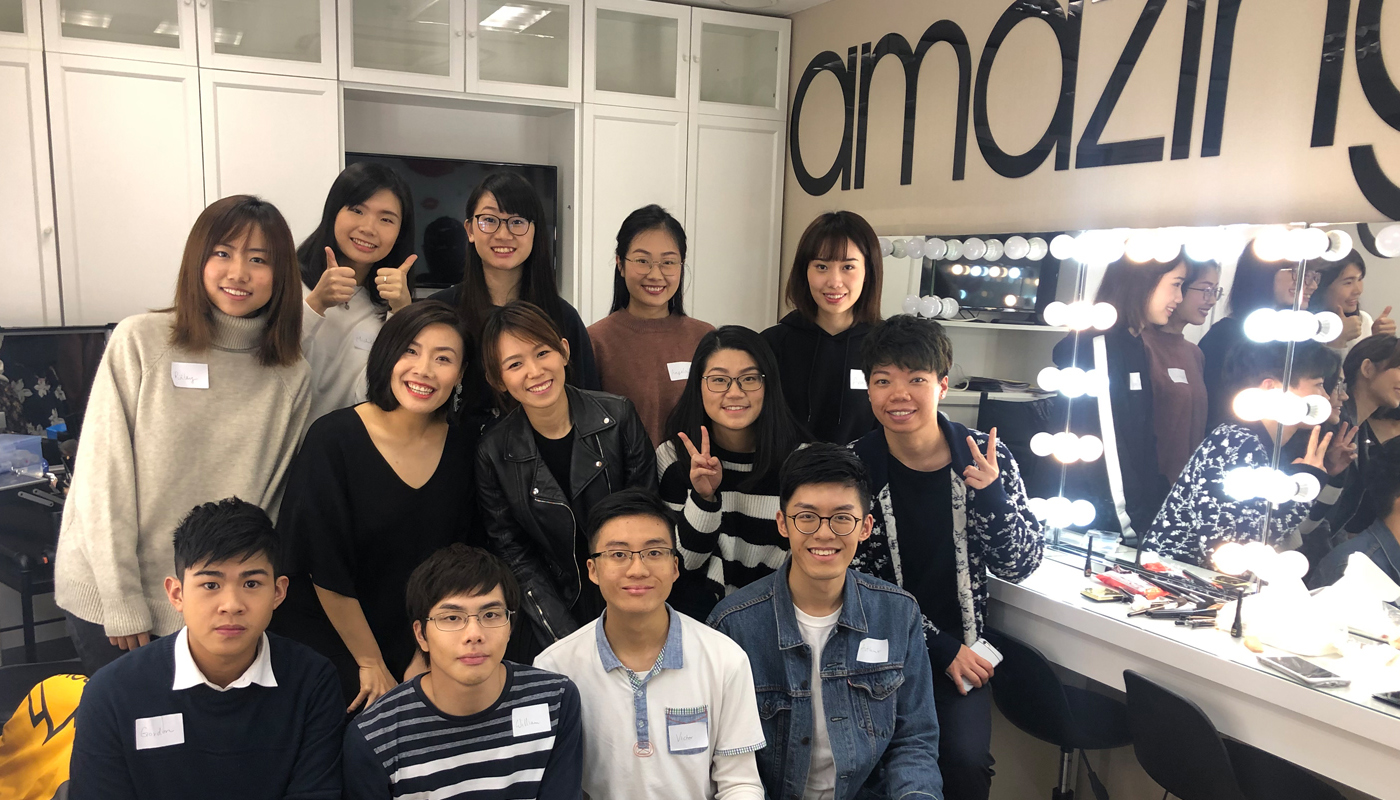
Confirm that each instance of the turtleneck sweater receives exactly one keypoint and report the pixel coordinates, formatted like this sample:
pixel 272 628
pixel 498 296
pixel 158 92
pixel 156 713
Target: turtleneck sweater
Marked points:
pixel 159 439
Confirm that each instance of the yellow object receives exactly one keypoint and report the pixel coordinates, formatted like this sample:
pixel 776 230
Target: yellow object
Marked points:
pixel 37 740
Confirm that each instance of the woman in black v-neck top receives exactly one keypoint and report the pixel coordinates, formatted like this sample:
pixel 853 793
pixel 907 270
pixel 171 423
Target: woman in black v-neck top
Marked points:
pixel 353 529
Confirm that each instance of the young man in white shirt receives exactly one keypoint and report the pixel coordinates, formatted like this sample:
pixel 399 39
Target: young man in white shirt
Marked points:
pixel 668 704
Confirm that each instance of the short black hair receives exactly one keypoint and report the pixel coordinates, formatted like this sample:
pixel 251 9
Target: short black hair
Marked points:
pixel 824 463
pixel 1382 479
pixel 1248 363
pixel 910 342
pixel 393 341
pixel 458 569
pixel 631 502
pixel 229 529
pixel 1381 349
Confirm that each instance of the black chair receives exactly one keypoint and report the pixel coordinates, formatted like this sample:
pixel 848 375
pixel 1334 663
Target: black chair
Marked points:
pixel 1179 748
pixel 1032 698
pixel 28 539
pixel 17 680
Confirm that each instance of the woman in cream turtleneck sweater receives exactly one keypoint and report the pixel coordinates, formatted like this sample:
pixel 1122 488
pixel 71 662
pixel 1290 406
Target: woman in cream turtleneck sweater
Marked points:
pixel 195 403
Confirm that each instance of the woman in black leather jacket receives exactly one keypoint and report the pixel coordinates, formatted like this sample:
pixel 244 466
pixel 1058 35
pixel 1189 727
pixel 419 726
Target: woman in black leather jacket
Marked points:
pixel 544 466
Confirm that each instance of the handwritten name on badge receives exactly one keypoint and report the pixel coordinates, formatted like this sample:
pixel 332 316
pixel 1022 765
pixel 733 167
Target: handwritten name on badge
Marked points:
pixel 858 380
pixel 688 736
pixel 678 370
pixel 873 651
pixel 166 731
pixel 530 719
pixel 187 375
pixel 1177 375
pixel 364 340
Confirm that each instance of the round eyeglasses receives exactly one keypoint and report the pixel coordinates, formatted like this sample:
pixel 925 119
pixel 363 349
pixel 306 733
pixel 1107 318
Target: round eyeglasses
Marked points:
pixel 668 267
pixel 490 223
pixel 809 523
pixel 719 384
pixel 453 621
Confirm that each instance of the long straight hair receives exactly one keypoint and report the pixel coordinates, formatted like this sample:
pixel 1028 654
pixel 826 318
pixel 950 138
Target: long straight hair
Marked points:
pixel 776 432
pixel 1253 286
pixel 514 197
pixel 221 223
pixel 356 184
pixel 1127 286
pixel 644 219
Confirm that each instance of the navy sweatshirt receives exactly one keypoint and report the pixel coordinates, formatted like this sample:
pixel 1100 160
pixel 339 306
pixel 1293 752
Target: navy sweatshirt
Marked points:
pixel 818 374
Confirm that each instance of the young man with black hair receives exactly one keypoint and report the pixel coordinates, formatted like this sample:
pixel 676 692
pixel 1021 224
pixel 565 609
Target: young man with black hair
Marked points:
pixel 223 709
pixel 472 726
pixel 669 704
pixel 1381 541
pixel 949 507
pixel 827 643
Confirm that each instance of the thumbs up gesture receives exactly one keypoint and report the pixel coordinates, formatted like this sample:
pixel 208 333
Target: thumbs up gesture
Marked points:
pixel 1383 324
pixel 336 286
pixel 392 283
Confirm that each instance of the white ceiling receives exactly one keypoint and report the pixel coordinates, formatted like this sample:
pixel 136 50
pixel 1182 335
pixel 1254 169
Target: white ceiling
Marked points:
pixel 773 8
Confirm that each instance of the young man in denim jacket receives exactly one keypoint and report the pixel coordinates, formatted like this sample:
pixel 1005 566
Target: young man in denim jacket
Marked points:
pixel 842 673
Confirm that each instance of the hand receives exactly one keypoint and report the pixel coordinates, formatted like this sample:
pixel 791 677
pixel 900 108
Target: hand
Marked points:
pixel 393 285
pixel 375 680
pixel 1342 452
pixel 1316 452
pixel 1351 329
pixel 983 472
pixel 1383 324
pixel 336 286
pixel 417 666
pixel 130 642
pixel 968 664
pixel 705 469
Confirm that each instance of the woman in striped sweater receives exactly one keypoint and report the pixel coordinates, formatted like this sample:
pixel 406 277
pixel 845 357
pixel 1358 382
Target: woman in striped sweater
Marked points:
pixel 726 439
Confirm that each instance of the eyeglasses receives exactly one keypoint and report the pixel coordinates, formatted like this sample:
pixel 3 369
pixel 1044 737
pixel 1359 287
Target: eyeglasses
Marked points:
pixel 668 267
pixel 1311 280
pixel 453 622
pixel 719 384
pixel 490 223
pixel 1215 291
pixel 652 556
pixel 809 523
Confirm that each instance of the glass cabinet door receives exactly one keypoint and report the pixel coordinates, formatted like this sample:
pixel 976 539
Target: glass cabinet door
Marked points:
pixel 144 30
pixel 528 49
pixel 739 64
pixel 285 37
pixel 417 43
pixel 19 24
pixel 638 55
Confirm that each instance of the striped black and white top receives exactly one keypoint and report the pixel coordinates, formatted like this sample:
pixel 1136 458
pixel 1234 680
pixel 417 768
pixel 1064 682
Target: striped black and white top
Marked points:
pixel 725 544
pixel 527 744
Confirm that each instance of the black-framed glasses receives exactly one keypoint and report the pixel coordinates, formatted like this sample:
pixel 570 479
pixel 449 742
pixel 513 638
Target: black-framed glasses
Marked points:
pixel 651 556
pixel 490 223
pixel 454 621
pixel 1311 279
pixel 1214 291
pixel 719 384
pixel 669 266
pixel 809 522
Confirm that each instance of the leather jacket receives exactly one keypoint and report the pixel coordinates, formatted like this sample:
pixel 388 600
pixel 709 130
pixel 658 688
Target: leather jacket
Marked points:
pixel 530 520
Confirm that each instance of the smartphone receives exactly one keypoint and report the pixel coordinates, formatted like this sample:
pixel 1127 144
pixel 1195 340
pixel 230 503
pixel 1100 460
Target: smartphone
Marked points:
pixel 983 648
pixel 1393 698
pixel 1304 671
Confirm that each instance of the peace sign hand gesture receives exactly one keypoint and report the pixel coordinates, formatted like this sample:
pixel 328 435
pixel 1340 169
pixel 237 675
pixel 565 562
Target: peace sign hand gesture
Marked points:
pixel 983 471
pixel 1342 451
pixel 1316 452
pixel 392 283
pixel 705 469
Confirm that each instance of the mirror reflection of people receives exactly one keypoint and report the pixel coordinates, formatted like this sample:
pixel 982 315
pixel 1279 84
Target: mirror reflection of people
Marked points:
pixel 444 251
pixel 1177 369
pixel 1380 541
pixel 1372 370
pixel 1339 290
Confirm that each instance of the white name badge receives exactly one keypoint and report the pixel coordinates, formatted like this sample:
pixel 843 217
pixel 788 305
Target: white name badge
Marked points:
pixel 873 651
pixel 1177 375
pixel 1135 381
pixel 166 731
pixel 529 720
pixel 364 340
pixel 688 736
pixel 678 370
pixel 858 379
pixel 187 375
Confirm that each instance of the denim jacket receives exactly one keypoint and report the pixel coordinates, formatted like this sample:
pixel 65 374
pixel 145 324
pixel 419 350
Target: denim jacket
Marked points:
pixel 1376 542
pixel 881 720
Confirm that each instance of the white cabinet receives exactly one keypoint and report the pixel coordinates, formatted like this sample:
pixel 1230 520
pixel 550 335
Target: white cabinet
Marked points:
pixel 282 37
pixel 739 64
pixel 735 199
pixel 418 44
pixel 29 270
pixel 19 24
pixel 290 164
pixel 531 50
pixel 637 54
pixel 128 181
pixel 631 157
pixel 146 30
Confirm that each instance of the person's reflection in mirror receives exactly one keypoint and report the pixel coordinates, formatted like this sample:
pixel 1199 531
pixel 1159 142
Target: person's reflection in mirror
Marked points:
pixel 1199 515
pixel 1339 290
pixel 1146 295
pixel 1380 541
pixel 1177 368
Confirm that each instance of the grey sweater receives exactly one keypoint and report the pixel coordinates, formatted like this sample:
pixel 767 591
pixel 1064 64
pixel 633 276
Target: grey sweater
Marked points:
pixel 152 450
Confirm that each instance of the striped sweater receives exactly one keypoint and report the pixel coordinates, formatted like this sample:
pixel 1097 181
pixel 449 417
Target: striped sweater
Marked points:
pixel 725 544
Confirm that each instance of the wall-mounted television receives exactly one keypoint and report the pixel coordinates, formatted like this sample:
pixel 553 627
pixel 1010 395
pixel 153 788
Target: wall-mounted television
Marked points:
pixel 441 187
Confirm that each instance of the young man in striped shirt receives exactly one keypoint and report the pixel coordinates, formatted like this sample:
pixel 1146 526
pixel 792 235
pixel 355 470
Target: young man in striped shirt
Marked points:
pixel 473 726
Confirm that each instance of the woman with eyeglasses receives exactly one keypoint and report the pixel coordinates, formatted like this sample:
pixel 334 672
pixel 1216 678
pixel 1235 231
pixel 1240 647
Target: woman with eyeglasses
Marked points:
pixel 510 258
pixel 726 440
pixel 644 346
pixel 1176 368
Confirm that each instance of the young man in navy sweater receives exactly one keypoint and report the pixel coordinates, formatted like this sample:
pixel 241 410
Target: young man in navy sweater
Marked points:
pixel 222 709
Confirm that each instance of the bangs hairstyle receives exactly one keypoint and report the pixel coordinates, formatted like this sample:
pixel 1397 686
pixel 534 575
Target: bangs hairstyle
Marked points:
pixel 524 321
pixel 394 340
pixel 1315 360
pixel 644 219
pixel 1195 270
pixel 1253 285
pixel 229 530
pixel 907 341
pixel 825 240
pixel 356 184
pixel 1128 286
pixel 223 222
pixel 776 432
pixel 458 569
pixel 515 197
pixel 1382 350
pixel 824 463
pixel 632 502
pixel 1329 274
pixel 1250 363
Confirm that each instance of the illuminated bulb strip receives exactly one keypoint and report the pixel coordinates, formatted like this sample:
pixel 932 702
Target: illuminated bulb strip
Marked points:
pixel 1072 382
pixel 1081 315
pixel 1066 447
pixel 1275 486
pixel 1287 325
pixel 931 307
pixel 1254 404
pixel 1061 512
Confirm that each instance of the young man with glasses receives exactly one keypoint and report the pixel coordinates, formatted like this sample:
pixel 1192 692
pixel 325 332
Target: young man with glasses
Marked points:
pixel 473 725
pixel 669 703
pixel 848 702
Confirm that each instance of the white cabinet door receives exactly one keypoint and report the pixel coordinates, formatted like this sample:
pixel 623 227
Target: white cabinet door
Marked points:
pixel 735 197
pixel 739 64
pixel 631 157
pixel 290 164
pixel 144 30
pixel 279 37
pixel 532 50
pixel 419 44
pixel 29 270
pixel 128 180
pixel 19 24
pixel 637 54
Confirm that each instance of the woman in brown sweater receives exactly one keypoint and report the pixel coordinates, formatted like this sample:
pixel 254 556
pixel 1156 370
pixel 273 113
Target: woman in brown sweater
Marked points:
pixel 1177 371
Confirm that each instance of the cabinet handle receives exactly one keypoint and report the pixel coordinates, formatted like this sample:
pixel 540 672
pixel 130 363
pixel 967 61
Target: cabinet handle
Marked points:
pixel 48 231
pixel 471 34
pixel 696 59
pixel 684 57
pixel 458 33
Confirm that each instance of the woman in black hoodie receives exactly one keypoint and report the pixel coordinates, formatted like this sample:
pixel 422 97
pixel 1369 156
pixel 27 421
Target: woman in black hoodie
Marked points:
pixel 835 288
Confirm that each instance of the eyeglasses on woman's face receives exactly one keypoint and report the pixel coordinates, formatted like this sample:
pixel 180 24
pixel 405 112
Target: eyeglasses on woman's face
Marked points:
pixel 490 223
pixel 719 384
pixel 668 266
pixel 1211 292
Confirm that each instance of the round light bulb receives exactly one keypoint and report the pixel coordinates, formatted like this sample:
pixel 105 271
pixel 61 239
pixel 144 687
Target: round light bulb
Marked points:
pixel 1063 247
pixel 1168 249
pixel 1290 565
pixel 1140 247
pixel 1016 248
pixel 1049 380
pixel 1081 315
pixel 900 249
pixel 1073 382
pixel 974 248
pixel 1271 244
pixel 1388 241
pixel 1037 507
pixel 1329 326
pixel 995 249
pixel 1203 244
pixel 1038 248
pixel 976 272
pixel 1278 488
pixel 929 307
pixel 1103 316
pixel 1313 243
pixel 1010 300
pixel 911 304
pixel 1229 558
pixel 1056 314
pixel 1090 448
pixel 1239 484
pixel 1257 555
pixel 1251 404
pixel 1289 409
pixel 1339 246
pixel 1014 273
pixel 1306 488
pixel 1096 382
pixel 1059 512
pixel 1296 326
pixel 1319 409
pixel 994 272
pixel 1066 447
pixel 886 246
pixel 1042 444
pixel 915 247
pixel 1260 325
pixel 935 249
pixel 950 308
pixel 1082 513
pixel 953 249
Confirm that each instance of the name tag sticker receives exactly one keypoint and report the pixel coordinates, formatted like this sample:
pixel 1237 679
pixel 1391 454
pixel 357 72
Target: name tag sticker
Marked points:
pixel 364 340
pixel 530 719
pixel 858 379
pixel 678 370
pixel 1177 375
pixel 186 375
pixel 688 736
pixel 1135 381
pixel 166 731
pixel 873 651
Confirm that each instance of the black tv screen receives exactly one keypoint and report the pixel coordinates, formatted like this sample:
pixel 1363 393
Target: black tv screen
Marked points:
pixel 441 187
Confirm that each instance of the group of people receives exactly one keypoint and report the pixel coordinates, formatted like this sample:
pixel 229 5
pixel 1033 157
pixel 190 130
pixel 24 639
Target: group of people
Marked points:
pixel 466 546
